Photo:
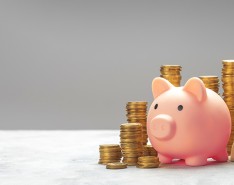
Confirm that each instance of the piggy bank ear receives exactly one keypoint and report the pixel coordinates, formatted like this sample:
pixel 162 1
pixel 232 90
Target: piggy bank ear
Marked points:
pixel 196 87
pixel 159 86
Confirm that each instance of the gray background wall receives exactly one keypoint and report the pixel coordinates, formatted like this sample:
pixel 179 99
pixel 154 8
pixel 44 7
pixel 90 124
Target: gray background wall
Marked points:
pixel 74 64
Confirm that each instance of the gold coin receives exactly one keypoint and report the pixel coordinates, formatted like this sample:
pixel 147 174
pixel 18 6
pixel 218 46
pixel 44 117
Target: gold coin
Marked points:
pixel 130 136
pixel 209 77
pixel 169 66
pixel 228 62
pixel 136 113
pixel 137 116
pixel 130 159
pixel 109 146
pixel 110 150
pixel 129 149
pixel 132 155
pixel 170 71
pixel 137 140
pixel 137 102
pixel 137 120
pixel 108 161
pixel 117 165
pixel 132 152
pixel 136 110
pixel 130 162
pixel 131 129
pixel 111 154
pixel 148 158
pixel 148 163
pixel 111 159
pixel 148 166
pixel 130 125
pixel 171 76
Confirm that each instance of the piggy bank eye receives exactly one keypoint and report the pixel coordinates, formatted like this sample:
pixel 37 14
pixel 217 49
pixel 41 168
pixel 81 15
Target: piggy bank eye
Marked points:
pixel 156 106
pixel 180 107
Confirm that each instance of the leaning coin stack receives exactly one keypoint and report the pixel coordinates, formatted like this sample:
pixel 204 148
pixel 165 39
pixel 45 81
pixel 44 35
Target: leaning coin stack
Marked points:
pixel 131 142
pixel 109 153
pixel 211 82
pixel 148 162
pixel 228 93
pixel 137 113
pixel 171 73
pixel 148 150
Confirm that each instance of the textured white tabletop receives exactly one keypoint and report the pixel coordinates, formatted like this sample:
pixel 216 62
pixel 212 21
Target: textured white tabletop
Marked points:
pixel 70 158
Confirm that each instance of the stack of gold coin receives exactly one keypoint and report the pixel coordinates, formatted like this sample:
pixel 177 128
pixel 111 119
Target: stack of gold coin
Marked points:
pixel 109 153
pixel 232 153
pixel 117 165
pixel 171 73
pixel 148 162
pixel 137 113
pixel 228 93
pixel 148 150
pixel 211 82
pixel 131 142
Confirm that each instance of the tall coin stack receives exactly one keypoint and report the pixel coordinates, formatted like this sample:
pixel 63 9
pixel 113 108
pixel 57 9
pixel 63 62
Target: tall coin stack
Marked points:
pixel 131 142
pixel 228 93
pixel 109 153
pixel 211 82
pixel 171 73
pixel 137 113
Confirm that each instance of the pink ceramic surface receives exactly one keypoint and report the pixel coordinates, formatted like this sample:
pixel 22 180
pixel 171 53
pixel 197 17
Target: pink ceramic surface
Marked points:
pixel 190 122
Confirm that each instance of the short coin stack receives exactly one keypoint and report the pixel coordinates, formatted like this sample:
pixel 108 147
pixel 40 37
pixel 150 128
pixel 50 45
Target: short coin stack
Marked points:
pixel 228 93
pixel 148 162
pixel 116 165
pixel 109 153
pixel 171 73
pixel 211 82
pixel 148 150
pixel 137 113
pixel 131 142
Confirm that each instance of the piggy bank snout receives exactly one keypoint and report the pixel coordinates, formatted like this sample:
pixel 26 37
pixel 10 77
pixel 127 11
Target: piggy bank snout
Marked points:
pixel 162 126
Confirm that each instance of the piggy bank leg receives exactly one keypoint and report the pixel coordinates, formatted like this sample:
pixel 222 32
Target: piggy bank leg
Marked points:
pixel 164 159
pixel 196 161
pixel 222 156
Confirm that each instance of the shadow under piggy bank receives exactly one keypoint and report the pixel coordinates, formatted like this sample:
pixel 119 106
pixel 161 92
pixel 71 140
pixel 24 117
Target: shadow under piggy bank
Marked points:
pixel 180 163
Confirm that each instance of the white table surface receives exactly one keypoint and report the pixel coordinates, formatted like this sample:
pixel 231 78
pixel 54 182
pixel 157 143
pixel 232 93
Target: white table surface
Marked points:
pixel 70 158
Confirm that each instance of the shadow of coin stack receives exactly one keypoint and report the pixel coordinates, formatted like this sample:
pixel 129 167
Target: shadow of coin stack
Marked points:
pixel 228 94
pixel 131 142
pixel 211 82
pixel 137 113
pixel 109 153
pixel 171 73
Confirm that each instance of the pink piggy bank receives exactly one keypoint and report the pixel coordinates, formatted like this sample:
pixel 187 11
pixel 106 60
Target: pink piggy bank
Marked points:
pixel 190 122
